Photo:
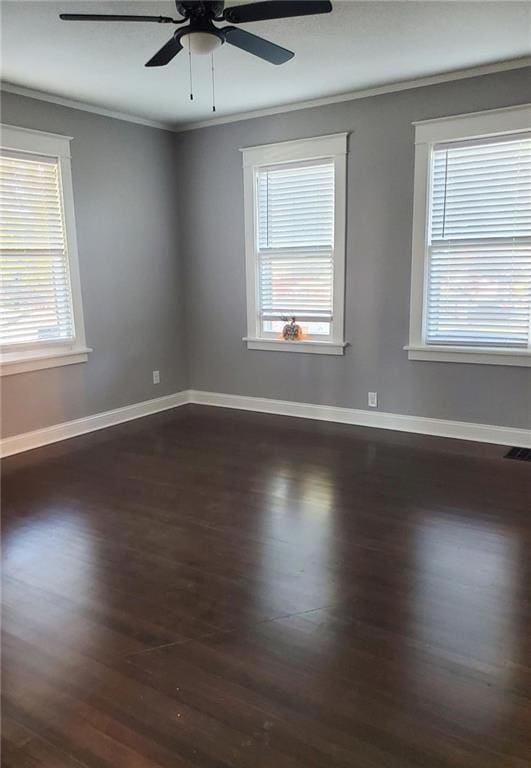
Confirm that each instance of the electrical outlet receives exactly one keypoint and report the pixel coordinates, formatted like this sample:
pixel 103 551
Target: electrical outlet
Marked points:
pixel 156 377
pixel 372 399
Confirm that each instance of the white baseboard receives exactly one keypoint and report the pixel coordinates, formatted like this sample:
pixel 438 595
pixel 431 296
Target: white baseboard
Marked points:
pixel 39 437
pixel 461 430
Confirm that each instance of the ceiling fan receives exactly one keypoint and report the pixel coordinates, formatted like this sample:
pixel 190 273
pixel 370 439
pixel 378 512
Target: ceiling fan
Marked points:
pixel 202 36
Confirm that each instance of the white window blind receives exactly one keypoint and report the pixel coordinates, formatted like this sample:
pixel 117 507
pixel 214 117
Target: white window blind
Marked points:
pixel 35 294
pixel 479 247
pixel 295 234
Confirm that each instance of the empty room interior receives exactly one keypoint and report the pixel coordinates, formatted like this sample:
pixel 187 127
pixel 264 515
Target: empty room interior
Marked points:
pixel 265 334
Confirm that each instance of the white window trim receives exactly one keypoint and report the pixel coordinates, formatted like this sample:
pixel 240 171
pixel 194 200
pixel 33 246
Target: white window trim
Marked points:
pixel 330 146
pixel 427 133
pixel 32 357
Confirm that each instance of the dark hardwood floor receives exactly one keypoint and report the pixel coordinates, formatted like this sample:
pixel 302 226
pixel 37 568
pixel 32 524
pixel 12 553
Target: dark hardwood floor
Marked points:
pixel 214 588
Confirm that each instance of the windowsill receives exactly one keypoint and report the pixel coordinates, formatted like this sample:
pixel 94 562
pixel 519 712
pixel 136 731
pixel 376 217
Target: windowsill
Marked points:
pixel 36 360
pixel 481 355
pixel 310 346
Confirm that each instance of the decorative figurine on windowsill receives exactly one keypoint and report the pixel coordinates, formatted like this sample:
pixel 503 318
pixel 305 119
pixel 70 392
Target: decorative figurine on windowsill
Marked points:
pixel 292 331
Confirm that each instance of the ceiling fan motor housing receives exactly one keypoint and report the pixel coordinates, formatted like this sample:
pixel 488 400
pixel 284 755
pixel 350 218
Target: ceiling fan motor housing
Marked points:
pixel 191 9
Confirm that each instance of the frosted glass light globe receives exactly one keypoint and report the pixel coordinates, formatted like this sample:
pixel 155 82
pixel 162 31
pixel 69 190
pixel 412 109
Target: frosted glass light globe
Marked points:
pixel 200 42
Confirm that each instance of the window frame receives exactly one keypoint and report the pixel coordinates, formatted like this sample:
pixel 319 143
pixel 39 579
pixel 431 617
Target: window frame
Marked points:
pixel 428 133
pixel 33 356
pixel 334 147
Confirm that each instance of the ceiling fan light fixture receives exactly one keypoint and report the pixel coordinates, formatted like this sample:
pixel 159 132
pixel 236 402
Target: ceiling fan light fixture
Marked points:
pixel 201 42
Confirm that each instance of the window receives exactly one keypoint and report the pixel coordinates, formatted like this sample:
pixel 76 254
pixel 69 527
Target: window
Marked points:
pixel 295 243
pixel 471 276
pixel 41 322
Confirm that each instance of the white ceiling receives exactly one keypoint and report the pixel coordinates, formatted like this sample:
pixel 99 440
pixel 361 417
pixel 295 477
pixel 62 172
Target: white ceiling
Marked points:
pixel 359 45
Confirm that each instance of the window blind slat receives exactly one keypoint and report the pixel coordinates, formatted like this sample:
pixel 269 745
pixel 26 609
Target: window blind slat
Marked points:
pixel 35 295
pixel 479 253
pixel 295 240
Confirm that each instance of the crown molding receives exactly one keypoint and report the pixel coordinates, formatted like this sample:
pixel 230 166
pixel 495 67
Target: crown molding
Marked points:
pixel 363 93
pixel 31 93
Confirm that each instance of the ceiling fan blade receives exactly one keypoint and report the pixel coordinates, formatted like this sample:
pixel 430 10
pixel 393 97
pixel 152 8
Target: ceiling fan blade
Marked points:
pixel 258 46
pixel 166 53
pixel 110 17
pixel 275 9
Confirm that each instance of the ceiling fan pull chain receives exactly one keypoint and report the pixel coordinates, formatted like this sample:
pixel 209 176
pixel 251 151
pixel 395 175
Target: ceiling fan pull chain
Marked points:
pixel 213 84
pixel 190 70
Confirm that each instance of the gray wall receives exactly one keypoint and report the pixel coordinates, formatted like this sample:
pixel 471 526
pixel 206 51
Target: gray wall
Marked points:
pixel 161 246
pixel 380 203
pixel 125 189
